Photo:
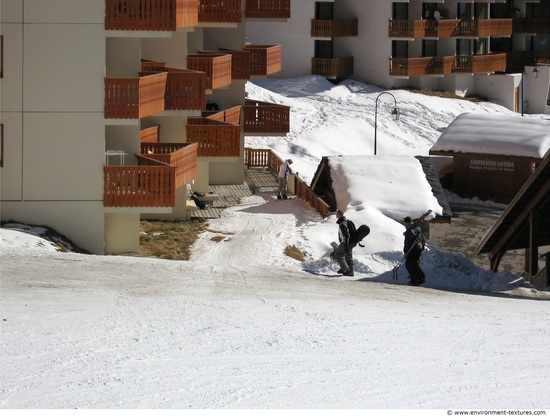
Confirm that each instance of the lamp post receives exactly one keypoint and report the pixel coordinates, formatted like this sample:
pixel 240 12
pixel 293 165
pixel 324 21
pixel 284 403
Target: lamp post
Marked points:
pixel 394 112
pixel 535 75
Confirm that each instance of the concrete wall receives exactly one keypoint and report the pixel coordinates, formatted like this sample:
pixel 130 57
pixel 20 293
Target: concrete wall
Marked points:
pixel 294 36
pixel 52 110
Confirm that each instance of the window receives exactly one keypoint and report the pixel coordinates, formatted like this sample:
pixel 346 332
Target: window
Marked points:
pixel 1 145
pixel 1 56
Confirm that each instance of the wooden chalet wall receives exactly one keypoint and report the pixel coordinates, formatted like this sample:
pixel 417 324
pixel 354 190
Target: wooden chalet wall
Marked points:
pixel 491 177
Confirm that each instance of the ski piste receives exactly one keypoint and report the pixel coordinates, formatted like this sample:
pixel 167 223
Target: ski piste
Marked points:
pixel 417 221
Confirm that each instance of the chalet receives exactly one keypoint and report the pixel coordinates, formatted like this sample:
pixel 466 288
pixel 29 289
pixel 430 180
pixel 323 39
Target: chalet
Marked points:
pixel 493 155
pixel 525 224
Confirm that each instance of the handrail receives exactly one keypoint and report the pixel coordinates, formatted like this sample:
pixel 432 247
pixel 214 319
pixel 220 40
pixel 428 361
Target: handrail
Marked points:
pixel 214 138
pixel 267 9
pixel 158 15
pixel 148 185
pixel 220 11
pixel 134 98
pixel 266 158
pixel 263 117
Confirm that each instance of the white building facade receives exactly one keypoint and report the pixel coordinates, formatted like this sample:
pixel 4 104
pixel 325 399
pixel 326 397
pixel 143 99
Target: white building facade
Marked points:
pixel 103 110
pixel 466 47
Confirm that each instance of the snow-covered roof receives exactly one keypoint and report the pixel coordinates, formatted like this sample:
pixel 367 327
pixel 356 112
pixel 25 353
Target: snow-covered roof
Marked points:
pixel 495 135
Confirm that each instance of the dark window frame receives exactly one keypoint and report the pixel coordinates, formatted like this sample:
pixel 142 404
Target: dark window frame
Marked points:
pixel 1 145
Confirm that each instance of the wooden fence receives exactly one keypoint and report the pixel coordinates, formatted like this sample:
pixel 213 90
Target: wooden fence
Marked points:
pixel 214 138
pixel 267 9
pixel 181 155
pixel 266 158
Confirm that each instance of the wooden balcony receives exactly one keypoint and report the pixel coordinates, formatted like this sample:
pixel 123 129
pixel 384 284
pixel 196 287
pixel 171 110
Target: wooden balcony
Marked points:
pixel 536 26
pixel 425 28
pixel 214 138
pixel 181 155
pixel 332 67
pixel 155 15
pixel 149 185
pixel 232 115
pixel 334 28
pixel 220 11
pixel 264 59
pixel 268 118
pixel 134 98
pixel 484 28
pixel 149 135
pixel 422 28
pixel 217 68
pixel 267 9
pixel 241 63
pixel 414 67
pixel 480 63
pixel 185 89
pixel 162 168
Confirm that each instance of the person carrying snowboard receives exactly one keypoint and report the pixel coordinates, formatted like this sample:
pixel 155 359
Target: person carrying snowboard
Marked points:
pixel 412 251
pixel 343 254
pixel 284 170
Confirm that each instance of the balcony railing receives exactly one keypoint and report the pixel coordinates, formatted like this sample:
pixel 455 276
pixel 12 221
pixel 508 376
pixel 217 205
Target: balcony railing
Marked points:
pixel 134 98
pixel 220 11
pixel 217 68
pixel 185 89
pixel 444 65
pixel 334 28
pixel 476 64
pixel 332 67
pixel 267 9
pixel 158 15
pixel 149 135
pixel 241 63
pixel 422 28
pixel 264 59
pixel 262 117
pixel 538 26
pixel 232 115
pixel 181 155
pixel 266 158
pixel 162 168
pixel 484 28
pixel 150 185
pixel 413 67
pixel 214 138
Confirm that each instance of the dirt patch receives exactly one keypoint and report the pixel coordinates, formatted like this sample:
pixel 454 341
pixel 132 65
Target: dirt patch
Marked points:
pixel 169 240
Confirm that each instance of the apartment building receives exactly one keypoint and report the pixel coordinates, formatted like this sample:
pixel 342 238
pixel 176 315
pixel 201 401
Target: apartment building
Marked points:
pixel 498 49
pixel 110 108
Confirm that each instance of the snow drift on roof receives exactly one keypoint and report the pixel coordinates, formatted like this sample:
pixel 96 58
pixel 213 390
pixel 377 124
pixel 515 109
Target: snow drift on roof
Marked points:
pixel 496 135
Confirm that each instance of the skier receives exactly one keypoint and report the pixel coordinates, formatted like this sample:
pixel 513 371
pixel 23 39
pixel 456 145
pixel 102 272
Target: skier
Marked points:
pixel 412 251
pixel 344 252
pixel 284 170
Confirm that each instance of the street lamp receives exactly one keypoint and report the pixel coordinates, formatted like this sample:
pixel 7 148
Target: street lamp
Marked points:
pixel 394 113
pixel 535 74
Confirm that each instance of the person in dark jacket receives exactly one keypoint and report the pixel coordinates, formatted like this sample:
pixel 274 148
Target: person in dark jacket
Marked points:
pixel 412 252
pixel 343 254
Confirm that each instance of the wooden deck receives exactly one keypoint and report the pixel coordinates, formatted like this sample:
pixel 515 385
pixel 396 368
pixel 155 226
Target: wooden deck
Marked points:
pixel 256 180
